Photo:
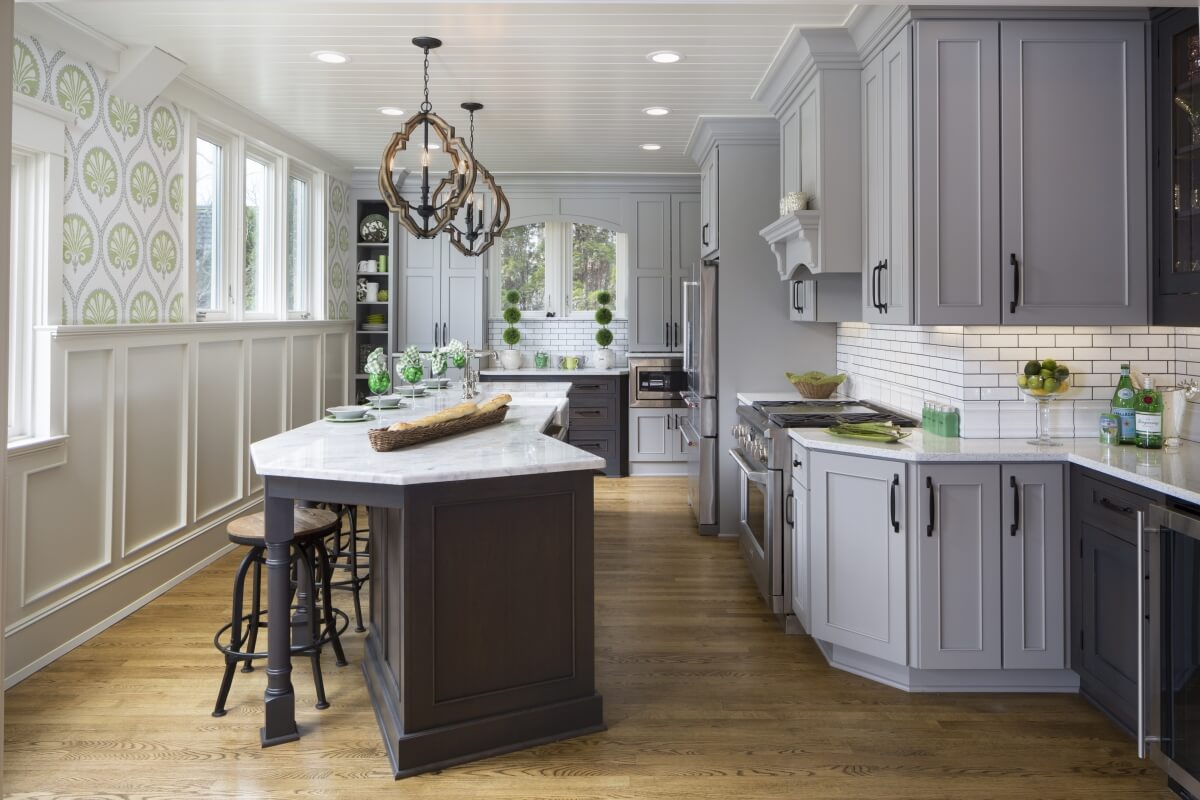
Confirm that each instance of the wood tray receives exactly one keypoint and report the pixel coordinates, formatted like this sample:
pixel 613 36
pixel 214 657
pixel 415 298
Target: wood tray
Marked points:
pixel 384 440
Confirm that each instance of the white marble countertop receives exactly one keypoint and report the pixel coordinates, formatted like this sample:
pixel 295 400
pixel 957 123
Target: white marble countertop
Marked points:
pixel 340 451
pixel 1174 472
pixel 494 371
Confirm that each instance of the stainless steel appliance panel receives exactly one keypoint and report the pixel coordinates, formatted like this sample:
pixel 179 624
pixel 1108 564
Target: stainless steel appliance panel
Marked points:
pixel 761 528
pixel 702 461
pixel 656 382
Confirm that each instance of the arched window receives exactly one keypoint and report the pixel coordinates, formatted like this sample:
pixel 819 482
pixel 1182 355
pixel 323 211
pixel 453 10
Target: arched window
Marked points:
pixel 559 267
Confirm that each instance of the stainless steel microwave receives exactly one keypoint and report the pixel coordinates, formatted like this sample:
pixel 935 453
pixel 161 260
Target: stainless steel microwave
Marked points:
pixel 656 382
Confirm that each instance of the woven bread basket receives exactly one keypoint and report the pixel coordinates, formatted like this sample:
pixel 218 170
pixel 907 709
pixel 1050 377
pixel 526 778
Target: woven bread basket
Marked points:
pixel 815 391
pixel 383 440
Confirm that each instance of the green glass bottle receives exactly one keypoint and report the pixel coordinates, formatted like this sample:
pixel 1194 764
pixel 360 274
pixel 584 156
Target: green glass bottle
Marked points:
pixel 1148 417
pixel 1124 405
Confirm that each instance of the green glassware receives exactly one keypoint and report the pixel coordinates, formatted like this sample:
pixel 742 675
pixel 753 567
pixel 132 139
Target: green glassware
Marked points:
pixel 378 383
pixel 1148 418
pixel 412 375
pixel 1124 405
pixel 459 361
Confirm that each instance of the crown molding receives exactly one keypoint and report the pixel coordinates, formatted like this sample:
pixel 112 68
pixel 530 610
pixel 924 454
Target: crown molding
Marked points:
pixel 710 131
pixel 804 53
pixel 46 21
pixel 874 26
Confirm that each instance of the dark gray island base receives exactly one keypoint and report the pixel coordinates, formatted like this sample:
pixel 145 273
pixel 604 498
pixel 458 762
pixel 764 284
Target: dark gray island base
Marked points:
pixel 480 640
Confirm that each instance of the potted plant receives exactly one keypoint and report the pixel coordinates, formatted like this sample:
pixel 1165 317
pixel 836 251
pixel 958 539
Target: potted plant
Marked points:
pixel 511 358
pixel 604 358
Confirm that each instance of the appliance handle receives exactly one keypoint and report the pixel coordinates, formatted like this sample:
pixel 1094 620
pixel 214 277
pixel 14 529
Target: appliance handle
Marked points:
pixel 932 506
pixel 1016 523
pixel 690 437
pixel 756 476
pixel 1016 268
pixel 1141 636
pixel 892 502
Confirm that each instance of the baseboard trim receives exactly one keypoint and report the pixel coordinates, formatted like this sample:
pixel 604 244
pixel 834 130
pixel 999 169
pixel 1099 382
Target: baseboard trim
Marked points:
pixel 657 469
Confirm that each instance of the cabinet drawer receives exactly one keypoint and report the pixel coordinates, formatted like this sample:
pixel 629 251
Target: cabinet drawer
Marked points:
pixel 593 386
pixel 1108 506
pixel 799 464
pixel 598 412
pixel 601 443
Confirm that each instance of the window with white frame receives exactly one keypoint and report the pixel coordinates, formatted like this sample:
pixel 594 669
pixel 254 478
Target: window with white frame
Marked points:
pixel 256 226
pixel 559 267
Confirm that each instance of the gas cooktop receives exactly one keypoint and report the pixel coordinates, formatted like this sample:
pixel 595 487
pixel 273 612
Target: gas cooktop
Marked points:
pixel 823 413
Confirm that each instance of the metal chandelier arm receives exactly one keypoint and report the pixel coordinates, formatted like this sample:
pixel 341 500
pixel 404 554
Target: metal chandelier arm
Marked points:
pixel 462 162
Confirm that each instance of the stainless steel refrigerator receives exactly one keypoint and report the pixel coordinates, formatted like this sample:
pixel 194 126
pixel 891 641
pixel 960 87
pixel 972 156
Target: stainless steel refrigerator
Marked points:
pixel 700 362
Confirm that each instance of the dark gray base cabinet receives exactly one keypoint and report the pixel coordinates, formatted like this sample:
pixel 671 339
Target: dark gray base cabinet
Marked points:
pixel 1104 586
pixel 598 418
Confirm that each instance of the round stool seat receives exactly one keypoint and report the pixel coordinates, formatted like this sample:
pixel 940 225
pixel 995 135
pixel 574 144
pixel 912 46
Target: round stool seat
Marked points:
pixel 251 530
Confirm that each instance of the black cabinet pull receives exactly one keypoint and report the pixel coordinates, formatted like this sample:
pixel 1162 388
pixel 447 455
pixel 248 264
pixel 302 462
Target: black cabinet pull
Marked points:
pixel 875 287
pixel 1012 304
pixel 796 463
pixel 787 509
pixel 1111 506
pixel 587 412
pixel 704 234
pixel 667 334
pixel 676 324
pixel 883 267
pixel 445 333
pixel 588 386
pixel 1016 523
pixel 932 506
pixel 892 500
pixel 795 303
pixel 435 333
pixel 803 291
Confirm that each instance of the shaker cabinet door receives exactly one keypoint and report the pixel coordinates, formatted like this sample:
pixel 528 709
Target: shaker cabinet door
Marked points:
pixel 1073 117
pixel 957 571
pixel 1034 581
pixel 957 172
pixel 651 436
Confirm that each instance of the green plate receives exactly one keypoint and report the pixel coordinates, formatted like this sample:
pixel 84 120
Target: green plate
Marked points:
pixel 363 418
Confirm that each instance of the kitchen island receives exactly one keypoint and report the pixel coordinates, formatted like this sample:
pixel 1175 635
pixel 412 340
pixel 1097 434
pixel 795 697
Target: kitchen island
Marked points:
pixel 480 638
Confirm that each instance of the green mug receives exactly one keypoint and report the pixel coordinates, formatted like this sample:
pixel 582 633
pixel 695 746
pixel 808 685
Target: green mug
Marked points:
pixel 541 360
pixel 570 362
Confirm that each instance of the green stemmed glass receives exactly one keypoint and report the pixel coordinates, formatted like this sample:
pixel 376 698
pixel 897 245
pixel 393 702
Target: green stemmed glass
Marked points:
pixel 379 383
pixel 413 376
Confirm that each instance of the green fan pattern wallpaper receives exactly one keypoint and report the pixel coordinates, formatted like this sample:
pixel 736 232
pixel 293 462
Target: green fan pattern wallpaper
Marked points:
pixel 339 251
pixel 123 260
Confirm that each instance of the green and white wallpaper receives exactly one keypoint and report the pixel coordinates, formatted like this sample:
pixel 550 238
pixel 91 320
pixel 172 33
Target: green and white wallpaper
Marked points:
pixel 123 259
pixel 339 251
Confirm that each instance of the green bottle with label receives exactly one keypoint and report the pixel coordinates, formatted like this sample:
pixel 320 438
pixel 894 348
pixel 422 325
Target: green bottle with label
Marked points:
pixel 1124 405
pixel 1148 419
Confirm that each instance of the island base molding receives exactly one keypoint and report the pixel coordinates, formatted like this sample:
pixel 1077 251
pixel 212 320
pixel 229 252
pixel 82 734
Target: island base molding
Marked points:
pixel 910 679
pixel 481 633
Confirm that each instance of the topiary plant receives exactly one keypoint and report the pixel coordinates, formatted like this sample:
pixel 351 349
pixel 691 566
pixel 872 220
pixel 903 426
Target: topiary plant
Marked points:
pixel 512 315
pixel 604 316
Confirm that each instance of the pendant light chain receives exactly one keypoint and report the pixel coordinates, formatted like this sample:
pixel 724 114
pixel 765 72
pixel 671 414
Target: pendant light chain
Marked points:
pixel 426 106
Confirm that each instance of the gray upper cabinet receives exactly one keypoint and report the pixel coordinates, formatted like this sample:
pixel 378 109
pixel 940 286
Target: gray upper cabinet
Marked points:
pixel 664 247
pixel 1033 567
pixel 1074 181
pixel 957 569
pixel 443 295
pixel 858 554
pixel 957 172
pixel 887 281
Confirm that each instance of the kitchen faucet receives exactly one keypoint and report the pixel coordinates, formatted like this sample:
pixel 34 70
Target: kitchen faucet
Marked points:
pixel 470 388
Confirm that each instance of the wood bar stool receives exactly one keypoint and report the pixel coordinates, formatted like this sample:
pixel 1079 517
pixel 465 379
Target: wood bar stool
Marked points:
pixel 349 552
pixel 238 638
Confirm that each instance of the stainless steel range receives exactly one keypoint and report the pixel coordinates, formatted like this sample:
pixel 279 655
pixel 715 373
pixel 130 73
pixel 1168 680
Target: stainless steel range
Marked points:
pixel 762 457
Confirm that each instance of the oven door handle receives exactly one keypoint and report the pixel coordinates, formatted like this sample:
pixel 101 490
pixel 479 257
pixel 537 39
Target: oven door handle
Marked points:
pixel 757 476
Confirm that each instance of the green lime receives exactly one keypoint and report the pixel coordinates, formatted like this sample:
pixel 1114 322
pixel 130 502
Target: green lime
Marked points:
pixel 1032 367
pixel 1062 373
pixel 1047 373
pixel 1049 363
pixel 1022 380
pixel 1035 381
pixel 1050 385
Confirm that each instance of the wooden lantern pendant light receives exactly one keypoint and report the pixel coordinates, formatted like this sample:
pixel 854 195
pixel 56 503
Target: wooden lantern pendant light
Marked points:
pixel 474 238
pixel 436 208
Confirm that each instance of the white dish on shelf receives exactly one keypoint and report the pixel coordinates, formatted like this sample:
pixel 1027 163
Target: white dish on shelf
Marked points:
pixel 374 326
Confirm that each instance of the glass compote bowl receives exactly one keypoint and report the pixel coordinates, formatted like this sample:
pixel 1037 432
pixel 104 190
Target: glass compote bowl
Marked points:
pixel 412 375
pixel 1043 397
pixel 379 383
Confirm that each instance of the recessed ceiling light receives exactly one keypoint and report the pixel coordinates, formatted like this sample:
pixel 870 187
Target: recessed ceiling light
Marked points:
pixel 330 56
pixel 656 111
pixel 652 147
pixel 391 111
pixel 665 57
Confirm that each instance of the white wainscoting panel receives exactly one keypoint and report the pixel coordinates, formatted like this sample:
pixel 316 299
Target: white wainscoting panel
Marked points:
pixel 153 460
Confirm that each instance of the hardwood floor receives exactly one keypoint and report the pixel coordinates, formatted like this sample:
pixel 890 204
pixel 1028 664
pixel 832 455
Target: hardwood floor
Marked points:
pixel 704 698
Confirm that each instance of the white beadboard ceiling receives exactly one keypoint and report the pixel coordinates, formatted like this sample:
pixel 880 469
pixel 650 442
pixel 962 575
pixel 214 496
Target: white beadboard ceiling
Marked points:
pixel 564 84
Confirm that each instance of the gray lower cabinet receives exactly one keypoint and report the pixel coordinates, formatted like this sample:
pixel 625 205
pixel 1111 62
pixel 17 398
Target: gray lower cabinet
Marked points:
pixel 598 416
pixel 957 576
pixel 654 435
pixel 1105 584
pixel 989 573
pixel 796 569
pixel 858 554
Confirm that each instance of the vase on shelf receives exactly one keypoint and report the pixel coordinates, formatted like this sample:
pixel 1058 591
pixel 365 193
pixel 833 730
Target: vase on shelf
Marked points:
pixel 510 359
pixel 603 358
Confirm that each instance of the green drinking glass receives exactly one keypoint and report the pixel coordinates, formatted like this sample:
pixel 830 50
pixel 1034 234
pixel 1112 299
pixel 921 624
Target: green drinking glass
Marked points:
pixel 412 375
pixel 378 383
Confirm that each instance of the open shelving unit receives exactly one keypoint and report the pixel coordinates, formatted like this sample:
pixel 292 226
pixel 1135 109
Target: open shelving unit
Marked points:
pixel 367 340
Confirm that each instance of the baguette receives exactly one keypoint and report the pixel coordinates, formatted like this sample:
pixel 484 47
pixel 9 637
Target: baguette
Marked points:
pixel 464 409
pixel 496 402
